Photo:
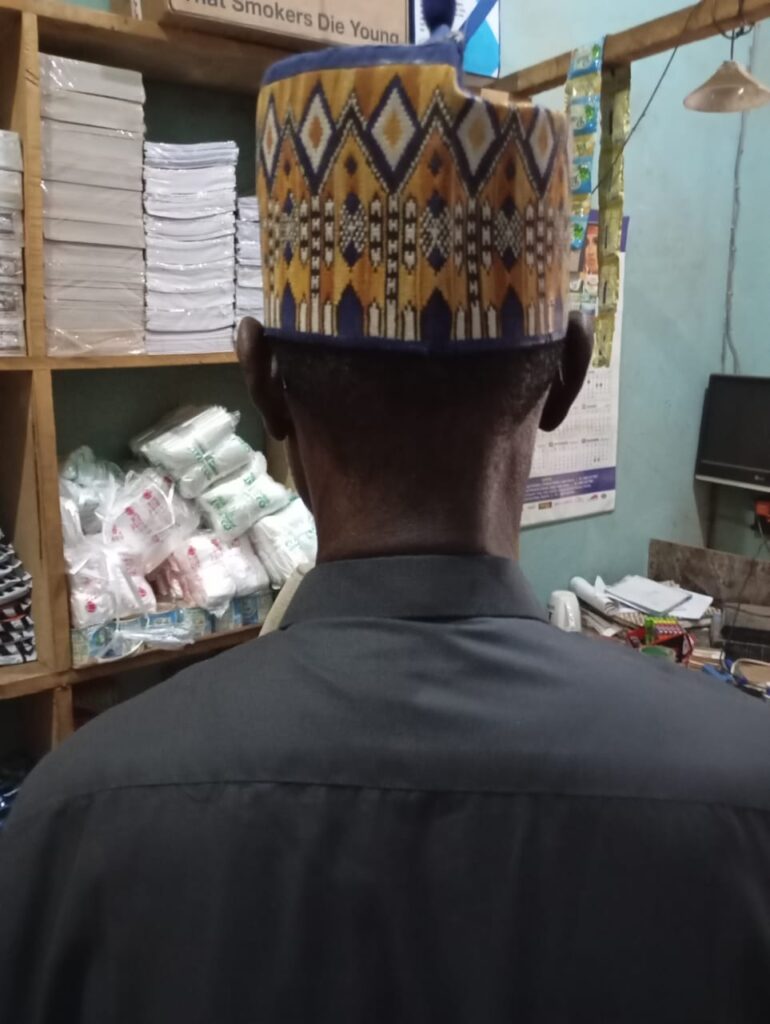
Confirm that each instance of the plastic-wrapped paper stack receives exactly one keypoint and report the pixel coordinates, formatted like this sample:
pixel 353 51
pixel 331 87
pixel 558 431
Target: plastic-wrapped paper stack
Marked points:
pixel 189 202
pixel 12 340
pixel 17 631
pixel 249 299
pixel 92 139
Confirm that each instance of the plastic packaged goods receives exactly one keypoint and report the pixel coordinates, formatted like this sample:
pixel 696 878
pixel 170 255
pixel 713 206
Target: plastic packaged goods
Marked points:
pixel 11 300
pixel 185 438
pixel 11 262
pixel 181 254
pixel 233 505
pixel 200 570
pixel 10 151
pixel 189 195
pixel 87 155
pixel 180 280
pixel 285 541
pixel 63 200
pixel 11 193
pixel 92 150
pixel 245 568
pixel 59 74
pixel 221 461
pixel 90 483
pixel 11 228
pixel 146 519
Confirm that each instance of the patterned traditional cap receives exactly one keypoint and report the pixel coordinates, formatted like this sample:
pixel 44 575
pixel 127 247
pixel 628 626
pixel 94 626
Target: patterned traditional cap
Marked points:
pixel 399 211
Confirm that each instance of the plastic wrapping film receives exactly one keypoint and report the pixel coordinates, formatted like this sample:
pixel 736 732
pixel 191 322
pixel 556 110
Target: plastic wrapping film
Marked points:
pixel 80 328
pixel 69 75
pixel 13 341
pixel 187 181
pixel 184 442
pixel 11 228
pixel 11 191
pixel 57 229
pixel 235 504
pixel 63 200
pixel 180 280
pixel 193 320
pixel 181 254
pixel 210 296
pixel 86 155
pixel 583 100
pixel 285 541
pixel 10 152
pixel 11 261
pixel 97 111
pixel 162 230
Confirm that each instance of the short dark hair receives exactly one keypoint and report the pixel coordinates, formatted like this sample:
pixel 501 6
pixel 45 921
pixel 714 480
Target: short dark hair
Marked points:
pixel 364 400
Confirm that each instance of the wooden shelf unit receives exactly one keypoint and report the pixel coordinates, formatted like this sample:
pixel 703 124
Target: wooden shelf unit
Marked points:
pixel 29 498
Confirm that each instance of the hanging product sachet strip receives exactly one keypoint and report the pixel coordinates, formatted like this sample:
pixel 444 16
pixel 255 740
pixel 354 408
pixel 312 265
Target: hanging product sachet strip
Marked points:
pixel 616 109
pixel 583 91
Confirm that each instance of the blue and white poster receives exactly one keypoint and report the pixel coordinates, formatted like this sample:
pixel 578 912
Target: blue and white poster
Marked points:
pixel 482 50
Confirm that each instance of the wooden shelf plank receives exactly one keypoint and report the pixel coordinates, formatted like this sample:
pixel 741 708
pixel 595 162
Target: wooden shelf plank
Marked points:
pixel 688 25
pixel 172 54
pixel 24 680
pixel 16 363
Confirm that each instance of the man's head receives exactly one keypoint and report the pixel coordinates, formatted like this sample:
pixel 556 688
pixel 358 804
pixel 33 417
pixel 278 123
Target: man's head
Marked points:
pixel 409 436
pixel 415 243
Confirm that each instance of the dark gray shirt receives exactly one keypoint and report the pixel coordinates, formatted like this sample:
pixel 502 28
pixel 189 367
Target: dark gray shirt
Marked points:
pixel 416 802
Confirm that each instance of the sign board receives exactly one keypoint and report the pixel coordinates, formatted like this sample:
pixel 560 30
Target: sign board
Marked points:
pixel 331 22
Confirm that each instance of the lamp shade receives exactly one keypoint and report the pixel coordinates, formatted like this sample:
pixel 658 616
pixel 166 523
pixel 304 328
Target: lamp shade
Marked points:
pixel 730 89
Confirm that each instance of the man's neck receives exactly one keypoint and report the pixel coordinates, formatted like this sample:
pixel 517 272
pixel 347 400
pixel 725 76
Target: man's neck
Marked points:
pixel 353 527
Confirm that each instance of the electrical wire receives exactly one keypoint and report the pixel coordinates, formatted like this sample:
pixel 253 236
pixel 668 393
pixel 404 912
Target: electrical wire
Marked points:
pixel 728 342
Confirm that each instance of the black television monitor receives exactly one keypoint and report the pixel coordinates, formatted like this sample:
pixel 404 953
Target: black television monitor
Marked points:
pixel 734 444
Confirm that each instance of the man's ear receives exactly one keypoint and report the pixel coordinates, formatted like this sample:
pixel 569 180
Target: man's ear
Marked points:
pixel 257 359
pixel 576 359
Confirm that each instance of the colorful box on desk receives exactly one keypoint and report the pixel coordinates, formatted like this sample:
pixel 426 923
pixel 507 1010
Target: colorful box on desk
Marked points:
pixel 244 611
pixel 289 24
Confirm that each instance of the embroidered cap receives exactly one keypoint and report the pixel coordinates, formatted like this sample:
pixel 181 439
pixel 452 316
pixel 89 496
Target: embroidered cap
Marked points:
pixel 399 211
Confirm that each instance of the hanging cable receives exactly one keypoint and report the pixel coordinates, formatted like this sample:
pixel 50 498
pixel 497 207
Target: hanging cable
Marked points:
pixel 728 342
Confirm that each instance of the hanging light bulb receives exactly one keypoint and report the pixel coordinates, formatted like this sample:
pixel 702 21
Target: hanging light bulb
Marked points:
pixel 732 88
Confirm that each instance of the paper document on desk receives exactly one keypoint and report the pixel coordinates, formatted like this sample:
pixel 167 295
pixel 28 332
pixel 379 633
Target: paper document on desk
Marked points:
pixel 653 598
pixel 594 595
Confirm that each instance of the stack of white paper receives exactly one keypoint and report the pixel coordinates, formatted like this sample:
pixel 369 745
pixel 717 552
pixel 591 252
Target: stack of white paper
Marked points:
pixel 189 204
pixel 12 341
pixel 92 143
pixel 248 291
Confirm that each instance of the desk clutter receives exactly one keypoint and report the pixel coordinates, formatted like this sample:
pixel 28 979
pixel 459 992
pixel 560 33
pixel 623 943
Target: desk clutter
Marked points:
pixel 190 538
pixel 12 334
pixel 667 621
pixel 17 630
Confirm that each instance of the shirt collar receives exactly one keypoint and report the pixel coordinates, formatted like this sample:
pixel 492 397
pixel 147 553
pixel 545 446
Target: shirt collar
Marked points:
pixel 415 587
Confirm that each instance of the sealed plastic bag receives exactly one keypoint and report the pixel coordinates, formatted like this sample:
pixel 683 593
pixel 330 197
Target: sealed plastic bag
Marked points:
pixel 245 568
pixel 90 482
pixel 185 438
pixel 285 541
pixel 237 502
pixel 147 519
pixel 201 573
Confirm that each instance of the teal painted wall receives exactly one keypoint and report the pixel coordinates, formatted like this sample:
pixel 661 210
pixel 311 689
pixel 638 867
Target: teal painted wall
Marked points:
pixel 679 169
